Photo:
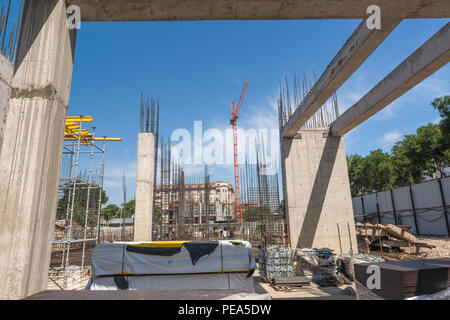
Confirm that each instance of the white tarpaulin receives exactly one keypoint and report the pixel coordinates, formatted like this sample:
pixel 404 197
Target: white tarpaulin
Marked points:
pixel 178 282
pixel 125 258
pixel 172 265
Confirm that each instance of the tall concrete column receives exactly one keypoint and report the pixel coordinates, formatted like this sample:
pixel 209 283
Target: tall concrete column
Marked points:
pixel 32 146
pixel 317 192
pixel 144 188
pixel 6 73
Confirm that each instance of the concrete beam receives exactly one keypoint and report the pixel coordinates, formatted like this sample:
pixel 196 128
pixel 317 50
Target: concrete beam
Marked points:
pixel 147 10
pixel 430 57
pixel 144 187
pixel 30 157
pixel 355 51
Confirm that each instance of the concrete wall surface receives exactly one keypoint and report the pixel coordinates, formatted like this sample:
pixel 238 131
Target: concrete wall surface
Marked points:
pixel 6 73
pixel 317 192
pixel 30 158
pixel 144 188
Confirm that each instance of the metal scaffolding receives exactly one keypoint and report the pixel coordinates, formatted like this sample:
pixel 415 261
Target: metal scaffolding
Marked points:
pixel 80 199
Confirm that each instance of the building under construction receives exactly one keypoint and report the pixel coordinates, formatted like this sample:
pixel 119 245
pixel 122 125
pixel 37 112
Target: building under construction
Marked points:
pixel 188 208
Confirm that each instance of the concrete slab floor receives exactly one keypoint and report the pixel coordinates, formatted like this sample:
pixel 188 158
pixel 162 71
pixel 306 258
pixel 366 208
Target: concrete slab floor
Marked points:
pixel 313 292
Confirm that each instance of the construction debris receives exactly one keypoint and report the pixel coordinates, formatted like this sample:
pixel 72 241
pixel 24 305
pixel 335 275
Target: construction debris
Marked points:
pixel 388 237
pixel 290 281
pixel 284 267
pixel 364 257
pixel 319 266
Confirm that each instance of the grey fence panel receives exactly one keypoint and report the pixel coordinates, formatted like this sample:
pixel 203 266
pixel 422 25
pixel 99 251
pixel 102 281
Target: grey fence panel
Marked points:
pixel 370 203
pixel 357 209
pixel 446 189
pixel 419 206
pixel 404 208
pixel 445 182
pixel 385 204
pixel 430 214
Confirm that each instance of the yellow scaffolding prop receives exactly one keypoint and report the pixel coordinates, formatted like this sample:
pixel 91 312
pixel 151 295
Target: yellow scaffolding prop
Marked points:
pixel 72 130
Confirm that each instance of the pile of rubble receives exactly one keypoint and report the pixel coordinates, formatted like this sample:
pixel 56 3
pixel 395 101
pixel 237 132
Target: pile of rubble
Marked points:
pixel 389 238
pixel 365 258
pixel 320 266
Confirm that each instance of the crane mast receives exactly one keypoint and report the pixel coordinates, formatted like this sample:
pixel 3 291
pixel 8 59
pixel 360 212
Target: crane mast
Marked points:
pixel 233 122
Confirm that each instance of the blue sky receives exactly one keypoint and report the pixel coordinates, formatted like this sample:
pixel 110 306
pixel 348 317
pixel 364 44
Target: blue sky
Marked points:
pixel 197 68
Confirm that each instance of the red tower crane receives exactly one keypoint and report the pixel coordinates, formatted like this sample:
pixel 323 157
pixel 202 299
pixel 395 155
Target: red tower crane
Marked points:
pixel 233 122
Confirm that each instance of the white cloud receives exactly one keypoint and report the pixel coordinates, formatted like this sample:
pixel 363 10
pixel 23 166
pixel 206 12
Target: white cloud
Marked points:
pixel 389 138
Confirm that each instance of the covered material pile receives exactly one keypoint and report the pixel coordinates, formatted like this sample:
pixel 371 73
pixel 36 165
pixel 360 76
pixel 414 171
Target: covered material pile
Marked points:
pixel 320 266
pixel 406 278
pixel 172 265
pixel 276 262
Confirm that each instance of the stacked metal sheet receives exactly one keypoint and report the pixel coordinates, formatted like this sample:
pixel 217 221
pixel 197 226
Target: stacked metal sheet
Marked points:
pixel 407 278
pixel 276 262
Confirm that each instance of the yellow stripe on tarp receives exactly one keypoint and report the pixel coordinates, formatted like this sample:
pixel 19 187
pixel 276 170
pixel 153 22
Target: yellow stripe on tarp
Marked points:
pixel 159 244
pixel 170 274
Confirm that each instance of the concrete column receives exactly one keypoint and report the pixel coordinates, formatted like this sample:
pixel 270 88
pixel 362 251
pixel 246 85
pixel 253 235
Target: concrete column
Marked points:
pixel 31 154
pixel 144 188
pixel 6 73
pixel 317 192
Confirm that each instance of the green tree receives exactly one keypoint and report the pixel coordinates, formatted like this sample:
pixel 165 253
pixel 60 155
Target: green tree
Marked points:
pixel 424 153
pixel 442 105
pixel 434 148
pixel 129 209
pixel 354 163
pixel 371 173
pixel 409 165
pixel 376 171
pixel 110 211
pixel 420 154
pixel 80 204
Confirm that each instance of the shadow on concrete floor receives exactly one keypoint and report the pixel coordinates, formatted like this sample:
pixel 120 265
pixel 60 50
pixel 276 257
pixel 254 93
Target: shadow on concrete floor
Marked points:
pixel 310 293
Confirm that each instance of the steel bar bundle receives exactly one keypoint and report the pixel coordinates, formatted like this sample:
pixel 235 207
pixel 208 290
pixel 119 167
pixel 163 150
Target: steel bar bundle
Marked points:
pixel 287 104
pixel 9 32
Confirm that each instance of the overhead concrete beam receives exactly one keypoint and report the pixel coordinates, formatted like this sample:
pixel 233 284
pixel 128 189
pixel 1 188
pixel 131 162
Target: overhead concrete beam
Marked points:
pixel 355 51
pixel 430 57
pixel 147 10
